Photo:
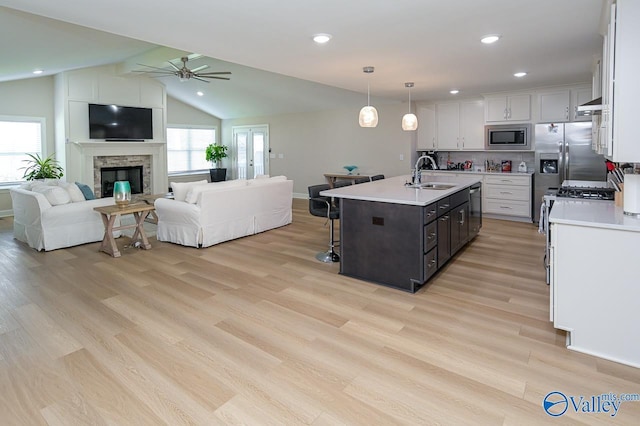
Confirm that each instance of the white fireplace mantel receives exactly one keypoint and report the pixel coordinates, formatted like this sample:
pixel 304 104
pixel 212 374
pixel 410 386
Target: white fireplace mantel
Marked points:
pixel 83 153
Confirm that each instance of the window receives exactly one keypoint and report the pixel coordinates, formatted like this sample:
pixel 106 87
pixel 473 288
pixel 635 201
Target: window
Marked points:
pixel 186 148
pixel 18 136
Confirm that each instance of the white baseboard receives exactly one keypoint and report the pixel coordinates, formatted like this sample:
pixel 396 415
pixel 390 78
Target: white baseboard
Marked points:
pixel 301 195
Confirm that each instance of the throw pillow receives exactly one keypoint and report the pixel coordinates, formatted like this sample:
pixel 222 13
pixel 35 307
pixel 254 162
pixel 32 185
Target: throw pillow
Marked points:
pixel 55 195
pixel 180 189
pixel 73 190
pixel 86 191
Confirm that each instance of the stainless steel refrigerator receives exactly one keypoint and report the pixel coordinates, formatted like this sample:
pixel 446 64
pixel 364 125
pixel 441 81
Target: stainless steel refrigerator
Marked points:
pixel 563 152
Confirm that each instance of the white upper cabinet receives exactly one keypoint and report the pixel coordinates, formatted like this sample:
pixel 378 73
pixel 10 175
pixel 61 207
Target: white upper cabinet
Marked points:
pixel 625 54
pixel 561 105
pixel 579 97
pixel 472 125
pixel 426 128
pixel 456 126
pixel 448 126
pixel 554 106
pixel 515 107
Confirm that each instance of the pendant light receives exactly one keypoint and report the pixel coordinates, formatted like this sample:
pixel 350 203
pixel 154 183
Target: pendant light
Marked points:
pixel 368 114
pixel 409 121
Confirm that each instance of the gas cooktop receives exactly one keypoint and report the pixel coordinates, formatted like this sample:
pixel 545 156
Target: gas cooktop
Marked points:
pixel 590 193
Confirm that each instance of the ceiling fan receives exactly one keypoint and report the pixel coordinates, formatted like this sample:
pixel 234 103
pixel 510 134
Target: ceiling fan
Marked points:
pixel 184 73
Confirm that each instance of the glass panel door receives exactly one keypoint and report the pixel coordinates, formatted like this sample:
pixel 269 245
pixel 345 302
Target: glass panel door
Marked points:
pixel 251 145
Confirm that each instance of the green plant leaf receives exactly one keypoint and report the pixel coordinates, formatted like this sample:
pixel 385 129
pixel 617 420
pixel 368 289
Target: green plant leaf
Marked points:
pixel 42 168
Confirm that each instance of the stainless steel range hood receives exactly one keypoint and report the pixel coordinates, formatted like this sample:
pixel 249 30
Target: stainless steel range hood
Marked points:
pixel 593 107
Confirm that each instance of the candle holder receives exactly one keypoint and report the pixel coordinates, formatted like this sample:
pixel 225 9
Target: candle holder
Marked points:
pixel 122 193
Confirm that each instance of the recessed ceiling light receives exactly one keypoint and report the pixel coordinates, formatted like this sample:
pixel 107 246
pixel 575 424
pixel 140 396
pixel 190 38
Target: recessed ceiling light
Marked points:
pixel 520 74
pixel 490 38
pixel 199 93
pixel 38 71
pixel 321 38
pixel 454 91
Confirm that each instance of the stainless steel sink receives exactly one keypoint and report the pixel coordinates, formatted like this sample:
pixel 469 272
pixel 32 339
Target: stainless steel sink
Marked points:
pixel 432 185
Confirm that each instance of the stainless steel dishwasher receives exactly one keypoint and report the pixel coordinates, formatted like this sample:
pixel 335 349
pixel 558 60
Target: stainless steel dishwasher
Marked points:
pixel 475 210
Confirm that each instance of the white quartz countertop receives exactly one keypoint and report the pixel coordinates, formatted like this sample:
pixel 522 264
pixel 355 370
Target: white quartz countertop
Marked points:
pixel 595 214
pixel 393 190
pixel 475 172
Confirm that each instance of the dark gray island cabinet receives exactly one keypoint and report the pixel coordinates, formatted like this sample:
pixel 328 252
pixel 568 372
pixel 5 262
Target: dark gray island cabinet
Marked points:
pixel 400 244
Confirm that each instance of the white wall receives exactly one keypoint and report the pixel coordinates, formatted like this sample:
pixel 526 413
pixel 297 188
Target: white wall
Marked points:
pixel 179 113
pixel 32 97
pixel 325 141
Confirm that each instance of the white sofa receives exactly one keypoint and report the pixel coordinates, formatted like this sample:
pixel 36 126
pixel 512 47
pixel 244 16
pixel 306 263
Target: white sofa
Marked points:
pixel 204 214
pixel 49 219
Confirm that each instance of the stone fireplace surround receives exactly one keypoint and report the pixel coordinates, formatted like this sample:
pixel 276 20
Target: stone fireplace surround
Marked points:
pixel 89 155
pixel 121 161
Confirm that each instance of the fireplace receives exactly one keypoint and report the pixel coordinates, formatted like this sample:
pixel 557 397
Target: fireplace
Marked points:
pixel 109 175
pixel 123 163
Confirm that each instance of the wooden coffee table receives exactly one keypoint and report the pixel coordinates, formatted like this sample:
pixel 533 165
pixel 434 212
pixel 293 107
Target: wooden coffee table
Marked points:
pixel 111 213
pixel 150 199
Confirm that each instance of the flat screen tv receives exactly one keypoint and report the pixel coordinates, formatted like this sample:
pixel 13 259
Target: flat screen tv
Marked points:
pixel 120 123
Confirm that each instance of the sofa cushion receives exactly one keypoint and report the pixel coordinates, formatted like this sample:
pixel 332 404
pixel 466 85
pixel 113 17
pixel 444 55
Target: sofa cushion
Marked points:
pixel 73 190
pixel 255 182
pixel 86 191
pixel 195 191
pixel 180 189
pixel 55 195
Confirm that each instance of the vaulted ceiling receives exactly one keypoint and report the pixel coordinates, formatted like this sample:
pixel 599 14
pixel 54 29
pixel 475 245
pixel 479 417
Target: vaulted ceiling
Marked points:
pixel 276 66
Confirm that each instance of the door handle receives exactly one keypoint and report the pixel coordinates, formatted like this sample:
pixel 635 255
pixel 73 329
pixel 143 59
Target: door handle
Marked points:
pixel 566 161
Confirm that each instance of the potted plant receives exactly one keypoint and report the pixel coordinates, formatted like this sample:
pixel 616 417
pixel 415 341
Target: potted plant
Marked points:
pixel 215 154
pixel 42 168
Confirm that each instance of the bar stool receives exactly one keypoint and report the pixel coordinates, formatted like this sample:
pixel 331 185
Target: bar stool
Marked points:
pixel 377 177
pixel 324 207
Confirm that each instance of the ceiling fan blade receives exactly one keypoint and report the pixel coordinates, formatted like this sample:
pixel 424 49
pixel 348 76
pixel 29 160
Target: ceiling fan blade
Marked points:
pixel 198 78
pixel 217 78
pixel 168 72
pixel 212 74
pixel 174 66
pixel 202 67
pixel 157 68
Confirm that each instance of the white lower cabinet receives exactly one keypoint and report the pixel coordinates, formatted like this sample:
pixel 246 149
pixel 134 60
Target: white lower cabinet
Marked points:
pixel 593 290
pixel 507 196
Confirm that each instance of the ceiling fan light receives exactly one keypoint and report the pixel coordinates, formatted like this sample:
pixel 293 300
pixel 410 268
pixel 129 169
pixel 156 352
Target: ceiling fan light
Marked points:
pixel 409 122
pixel 368 117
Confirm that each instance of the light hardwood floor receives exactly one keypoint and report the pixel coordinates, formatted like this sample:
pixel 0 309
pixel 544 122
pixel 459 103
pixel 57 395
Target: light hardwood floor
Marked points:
pixel 256 331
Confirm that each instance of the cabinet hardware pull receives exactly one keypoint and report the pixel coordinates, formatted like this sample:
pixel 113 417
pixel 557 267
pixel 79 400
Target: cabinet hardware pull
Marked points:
pixel 505 192
pixel 505 207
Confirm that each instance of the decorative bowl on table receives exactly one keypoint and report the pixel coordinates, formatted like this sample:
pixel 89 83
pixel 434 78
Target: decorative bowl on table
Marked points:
pixel 350 169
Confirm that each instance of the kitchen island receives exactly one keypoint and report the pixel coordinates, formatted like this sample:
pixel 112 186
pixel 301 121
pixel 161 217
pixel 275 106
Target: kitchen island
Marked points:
pixel 594 290
pixel 399 235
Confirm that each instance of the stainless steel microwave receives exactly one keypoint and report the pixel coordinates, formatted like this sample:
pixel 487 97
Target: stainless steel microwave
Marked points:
pixel 508 137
